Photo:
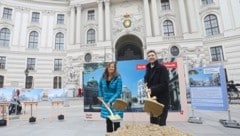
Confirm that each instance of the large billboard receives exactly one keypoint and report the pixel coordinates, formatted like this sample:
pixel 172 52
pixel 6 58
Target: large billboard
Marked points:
pixel 132 73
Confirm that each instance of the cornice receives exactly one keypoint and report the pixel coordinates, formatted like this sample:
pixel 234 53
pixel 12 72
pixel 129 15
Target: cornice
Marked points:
pixel 34 26
pixel 60 27
pixel 28 5
pixel 167 14
pixel 209 8
pixel 47 2
pixel 8 23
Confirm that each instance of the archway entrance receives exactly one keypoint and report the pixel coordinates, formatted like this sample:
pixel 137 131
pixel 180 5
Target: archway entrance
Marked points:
pixel 129 47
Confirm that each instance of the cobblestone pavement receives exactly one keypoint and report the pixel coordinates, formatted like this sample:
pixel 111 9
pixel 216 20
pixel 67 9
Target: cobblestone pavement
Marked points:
pixel 75 125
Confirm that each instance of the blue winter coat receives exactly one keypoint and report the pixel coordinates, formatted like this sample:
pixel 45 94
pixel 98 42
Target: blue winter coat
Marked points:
pixel 110 94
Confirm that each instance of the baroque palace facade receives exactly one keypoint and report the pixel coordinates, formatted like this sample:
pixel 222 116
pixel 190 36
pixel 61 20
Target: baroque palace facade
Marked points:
pixel 44 43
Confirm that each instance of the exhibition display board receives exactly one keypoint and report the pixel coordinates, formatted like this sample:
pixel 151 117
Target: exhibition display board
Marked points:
pixel 132 73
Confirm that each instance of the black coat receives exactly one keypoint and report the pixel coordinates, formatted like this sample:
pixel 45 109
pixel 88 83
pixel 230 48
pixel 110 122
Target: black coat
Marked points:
pixel 157 79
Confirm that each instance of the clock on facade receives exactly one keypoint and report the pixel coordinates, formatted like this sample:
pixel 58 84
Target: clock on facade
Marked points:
pixel 174 50
pixel 88 57
pixel 127 21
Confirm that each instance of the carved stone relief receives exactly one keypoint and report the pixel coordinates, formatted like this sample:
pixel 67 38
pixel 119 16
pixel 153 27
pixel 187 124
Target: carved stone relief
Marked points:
pixel 128 17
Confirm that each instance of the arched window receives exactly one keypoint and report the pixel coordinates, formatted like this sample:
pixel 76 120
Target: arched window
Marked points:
pixel 91 36
pixel 168 28
pixel 207 2
pixel 4 37
pixel 57 82
pixel 1 81
pixel 59 41
pixel 33 40
pixel 211 25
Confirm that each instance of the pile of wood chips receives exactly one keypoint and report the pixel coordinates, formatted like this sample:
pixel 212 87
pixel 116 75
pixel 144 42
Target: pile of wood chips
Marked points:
pixel 147 130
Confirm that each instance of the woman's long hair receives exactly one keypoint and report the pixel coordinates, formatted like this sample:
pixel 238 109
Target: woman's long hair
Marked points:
pixel 106 74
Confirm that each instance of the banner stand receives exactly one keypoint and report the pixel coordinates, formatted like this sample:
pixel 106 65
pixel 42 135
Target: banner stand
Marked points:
pixel 194 119
pixel 229 123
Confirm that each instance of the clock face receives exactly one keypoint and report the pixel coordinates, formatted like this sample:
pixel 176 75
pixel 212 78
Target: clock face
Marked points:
pixel 127 23
pixel 88 57
pixel 174 51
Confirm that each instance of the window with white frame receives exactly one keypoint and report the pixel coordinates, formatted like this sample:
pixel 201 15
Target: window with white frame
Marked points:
pixel 31 63
pixel 168 28
pixel 57 82
pixel 91 36
pixel 57 64
pixel 7 13
pixel 211 25
pixel 59 41
pixel 217 53
pixel 4 37
pixel 33 40
pixel 207 2
pixel 165 4
pixel 1 81
pixel 35 17
pixel 60 19
pixel 91 15
pixel 2 62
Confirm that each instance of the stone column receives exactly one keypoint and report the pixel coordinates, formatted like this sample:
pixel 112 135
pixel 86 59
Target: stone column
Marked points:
pixel 155 21
pixel 183 17
pixel 148 26
pixel 226 15
pixel 78 25
pixel 230 8
pixel 17 27
pixel 192 16
pixel 72 24
pixel 100 20
pixel 107 20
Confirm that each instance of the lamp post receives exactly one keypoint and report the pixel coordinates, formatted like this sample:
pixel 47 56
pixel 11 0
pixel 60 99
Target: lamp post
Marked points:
pixel 26 74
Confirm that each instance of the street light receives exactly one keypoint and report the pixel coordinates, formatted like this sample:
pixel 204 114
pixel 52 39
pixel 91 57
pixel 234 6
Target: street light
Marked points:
pixel 26 73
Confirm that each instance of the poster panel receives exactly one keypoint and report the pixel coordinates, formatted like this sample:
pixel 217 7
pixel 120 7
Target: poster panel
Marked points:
pixel 33 95
pixel 132 73
pixel 6 94
pixel 57 94
pixel 208 88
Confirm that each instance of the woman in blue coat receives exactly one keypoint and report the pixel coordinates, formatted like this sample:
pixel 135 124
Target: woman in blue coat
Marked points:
pixel 110 88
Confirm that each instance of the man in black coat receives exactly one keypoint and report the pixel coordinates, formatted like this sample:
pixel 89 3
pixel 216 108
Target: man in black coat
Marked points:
pixel 157 79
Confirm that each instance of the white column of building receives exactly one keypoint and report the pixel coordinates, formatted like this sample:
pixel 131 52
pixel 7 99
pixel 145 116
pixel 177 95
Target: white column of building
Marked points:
pixel 192 15
pixel 155 21
pixel 148 26
pixel 100 20
pixel 78 25
pixel 72 22
pixel 45 29
pixel 183 15
pixel 235 11
pixel 23 28
pixel 107 20
pixel 17 28
pixel 231 13
pixel 226 18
